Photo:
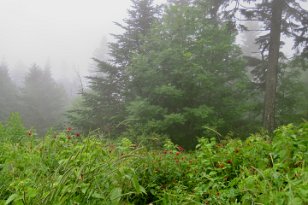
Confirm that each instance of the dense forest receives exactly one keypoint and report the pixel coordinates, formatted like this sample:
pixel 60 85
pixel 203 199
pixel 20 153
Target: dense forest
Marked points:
pixel 169 116
pixel 178 71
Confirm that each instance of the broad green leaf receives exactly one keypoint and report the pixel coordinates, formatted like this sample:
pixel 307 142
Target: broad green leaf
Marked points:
pixel 115 194
pixel 13 197
pixel 138 187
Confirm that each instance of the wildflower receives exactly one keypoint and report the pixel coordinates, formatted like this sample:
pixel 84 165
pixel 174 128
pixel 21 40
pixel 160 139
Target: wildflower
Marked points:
pixel 165 152
pixel 29 133
pixel 77 134
pixel 68 129
pixel 219 145
pixel 178 153
pixel 68 137
pixel 181 149
pixel 229 161
pixel 220 165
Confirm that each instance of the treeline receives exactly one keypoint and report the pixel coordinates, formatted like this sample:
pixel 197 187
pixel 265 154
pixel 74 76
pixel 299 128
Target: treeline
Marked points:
pixel 41 101
pixel 177 71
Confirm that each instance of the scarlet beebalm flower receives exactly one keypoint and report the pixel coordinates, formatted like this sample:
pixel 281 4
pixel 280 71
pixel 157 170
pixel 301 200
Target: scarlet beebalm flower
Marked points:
pixel 229 161
pixel 181 149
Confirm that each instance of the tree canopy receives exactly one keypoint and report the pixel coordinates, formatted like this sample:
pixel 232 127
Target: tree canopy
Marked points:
pixel 177 71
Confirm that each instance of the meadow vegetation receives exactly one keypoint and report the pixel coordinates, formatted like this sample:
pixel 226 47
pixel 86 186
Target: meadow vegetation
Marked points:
pixel 69 168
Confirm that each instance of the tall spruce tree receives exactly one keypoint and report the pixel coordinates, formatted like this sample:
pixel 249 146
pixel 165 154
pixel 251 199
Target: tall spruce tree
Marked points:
pixel 278 17
pixel 286 18
pixel 103 104
pixel 141 16
pixel 190 78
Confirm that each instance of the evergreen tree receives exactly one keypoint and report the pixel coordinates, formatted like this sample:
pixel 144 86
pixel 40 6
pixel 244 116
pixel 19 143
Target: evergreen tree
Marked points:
pixel 43 100
pixel 103 105
pixel 8 94
pixel 141 16
pixel 279 18
pixel 292 94
pixel 191 76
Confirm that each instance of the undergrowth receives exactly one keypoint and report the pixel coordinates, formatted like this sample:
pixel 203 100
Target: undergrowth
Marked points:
pixel 67 168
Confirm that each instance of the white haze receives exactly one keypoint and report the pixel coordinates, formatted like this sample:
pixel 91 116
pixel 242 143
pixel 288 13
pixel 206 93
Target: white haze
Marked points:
pixel 62 34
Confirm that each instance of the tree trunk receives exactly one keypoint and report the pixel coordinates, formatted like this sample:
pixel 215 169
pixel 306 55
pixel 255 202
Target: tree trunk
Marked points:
pixel 271 73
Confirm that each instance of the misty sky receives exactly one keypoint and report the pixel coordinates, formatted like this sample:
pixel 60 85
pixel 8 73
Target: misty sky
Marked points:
pixel 61 33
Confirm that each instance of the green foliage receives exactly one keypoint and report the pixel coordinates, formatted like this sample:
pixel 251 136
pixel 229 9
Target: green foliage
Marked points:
pixel 103 105
pixel 13 129
pixel 62 169
pixel 190 75
pixel 178 72
pixel 292 94
pixel 65 168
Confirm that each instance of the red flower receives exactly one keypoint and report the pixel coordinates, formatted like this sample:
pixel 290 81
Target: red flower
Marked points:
pixel 77 134
pixel 178 153
pixel 68 129
pixel 229 161
pixel 181 149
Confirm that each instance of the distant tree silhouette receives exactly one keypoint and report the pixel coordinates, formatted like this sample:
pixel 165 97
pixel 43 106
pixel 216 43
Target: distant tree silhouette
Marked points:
pixel 43 100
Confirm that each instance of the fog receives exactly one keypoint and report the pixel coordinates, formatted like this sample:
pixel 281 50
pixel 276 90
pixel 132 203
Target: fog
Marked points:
pixel 61 34
pixel 64 35
pixel 176 79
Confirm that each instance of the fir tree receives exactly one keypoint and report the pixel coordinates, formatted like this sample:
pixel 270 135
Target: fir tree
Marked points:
pixel 190 77
pixel 103 104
